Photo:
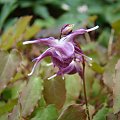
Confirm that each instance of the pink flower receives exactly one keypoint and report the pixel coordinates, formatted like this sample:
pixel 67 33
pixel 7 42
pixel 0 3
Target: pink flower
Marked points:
pixel 64 53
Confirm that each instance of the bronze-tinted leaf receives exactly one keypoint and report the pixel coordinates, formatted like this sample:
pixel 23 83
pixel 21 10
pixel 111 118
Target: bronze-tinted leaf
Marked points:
pixel 116 88
pixel 73 112
pixel 54 91
pixel 8 65
pixel 112 116
pixel 109 72
pixel 15 115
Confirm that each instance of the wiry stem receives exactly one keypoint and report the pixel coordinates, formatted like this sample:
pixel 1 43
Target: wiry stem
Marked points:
pixel 84 90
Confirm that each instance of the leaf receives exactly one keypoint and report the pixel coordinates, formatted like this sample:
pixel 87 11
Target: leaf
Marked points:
pixel 116 88
pixel 41 11
pixel 30 95
pixel 96 88
pixel 104 38
pixel 109 72
pixel 48 113
pixel 7 107
pixel 5 11
pixel 8 65
pixel 112 13
pixel 73 112
pixel 73 85
pixel 31 31
pixel 13 90
pixel 116 26
pixel 96 67
pixel 112 116
pixel 48 23
pixel 4 116
pixel 15 115
pixel 89 46
pixel 101 114
pixel 54 91
pixel 16 33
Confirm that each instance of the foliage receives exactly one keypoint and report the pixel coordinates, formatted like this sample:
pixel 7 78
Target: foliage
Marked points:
pixel 36 97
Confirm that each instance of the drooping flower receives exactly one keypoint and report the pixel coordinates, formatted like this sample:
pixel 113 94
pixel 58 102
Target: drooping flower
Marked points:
pixel 64 53
pixel 72 68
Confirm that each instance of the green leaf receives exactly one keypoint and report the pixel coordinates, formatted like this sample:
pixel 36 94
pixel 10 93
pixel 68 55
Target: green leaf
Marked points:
pixel 15 33
pixel 42 102
pixel 104 38
pixel 73 85
pixel 54 91
pixel 112 12
pixel 30 95
pixel 101 114
pixel 96 88
pixel 31 31
pixel 116 26
pixel 5 11
pixel 48 113
pixel 41 11
pixel 89 46
pixel 13 90
pixel 73 112
pixel 116 88
pixel 4 116
pixel 96 67
pixel 50 22
pixel 8 65
pixel 7 107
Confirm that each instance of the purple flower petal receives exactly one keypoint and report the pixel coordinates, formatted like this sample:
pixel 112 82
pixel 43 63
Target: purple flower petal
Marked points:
pixel 75 33
pixel 66 49
pixel 47 41
pixel 38 59
pixel 61 63
pixel 74 67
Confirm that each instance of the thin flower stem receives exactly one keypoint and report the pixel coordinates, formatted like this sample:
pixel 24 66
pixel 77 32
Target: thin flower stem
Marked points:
pixel 84 90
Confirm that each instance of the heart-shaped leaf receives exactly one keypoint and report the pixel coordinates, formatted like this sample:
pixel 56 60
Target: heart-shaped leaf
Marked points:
pixel 54 91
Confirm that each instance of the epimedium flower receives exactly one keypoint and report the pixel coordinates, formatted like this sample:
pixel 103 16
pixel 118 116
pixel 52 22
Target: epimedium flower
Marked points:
pixel 72 68
pixel 64 52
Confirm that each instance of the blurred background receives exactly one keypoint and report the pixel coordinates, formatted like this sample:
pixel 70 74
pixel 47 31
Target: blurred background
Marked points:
pixel 51 13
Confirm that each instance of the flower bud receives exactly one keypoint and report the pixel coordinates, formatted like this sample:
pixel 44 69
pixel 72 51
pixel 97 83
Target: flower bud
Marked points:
pixel 67 29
